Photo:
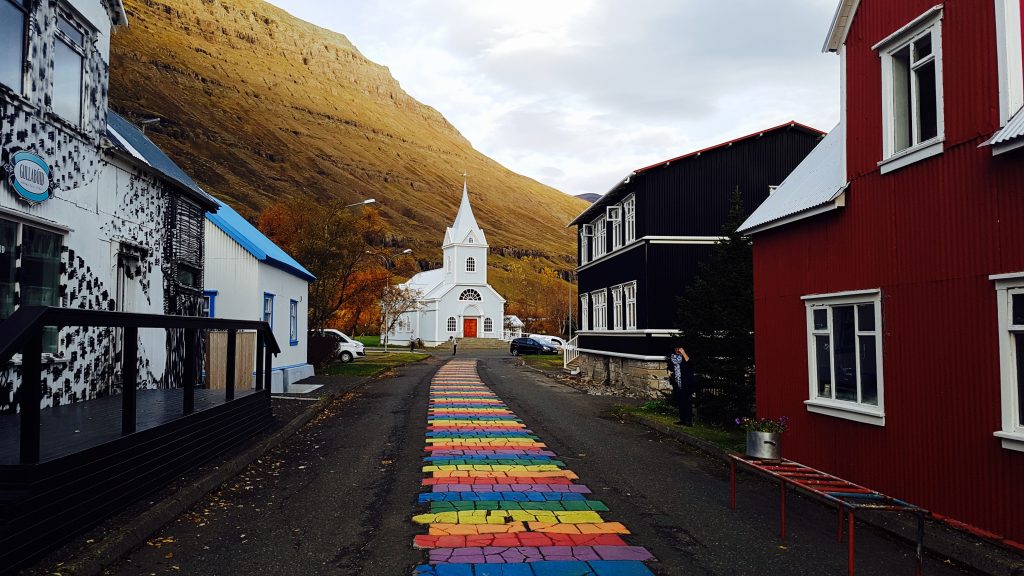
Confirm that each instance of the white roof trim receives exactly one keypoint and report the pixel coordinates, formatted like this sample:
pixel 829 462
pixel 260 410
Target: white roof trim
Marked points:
pixel 1008 137
pixel 840 27
pixel 837 203
pixel 929 14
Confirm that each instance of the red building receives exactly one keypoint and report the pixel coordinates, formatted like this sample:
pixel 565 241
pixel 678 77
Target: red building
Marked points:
pixel 889 266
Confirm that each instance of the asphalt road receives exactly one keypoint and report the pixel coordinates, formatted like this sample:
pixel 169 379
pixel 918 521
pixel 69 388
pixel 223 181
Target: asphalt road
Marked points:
pixel 337 498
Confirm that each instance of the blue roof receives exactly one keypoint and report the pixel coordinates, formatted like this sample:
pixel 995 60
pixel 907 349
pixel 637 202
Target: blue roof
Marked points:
pixel 130 139
pixel 254 242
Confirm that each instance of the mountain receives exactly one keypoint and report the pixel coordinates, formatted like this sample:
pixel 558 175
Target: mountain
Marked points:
pixel 589 197
pixel 257 106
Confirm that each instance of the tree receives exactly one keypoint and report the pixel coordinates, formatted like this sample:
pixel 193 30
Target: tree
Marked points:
pixel 394 302
pixel 716 319
pixel 331 241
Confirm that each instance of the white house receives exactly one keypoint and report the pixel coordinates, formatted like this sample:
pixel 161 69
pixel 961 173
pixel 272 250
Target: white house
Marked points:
pixel 249 277
pixel 455 301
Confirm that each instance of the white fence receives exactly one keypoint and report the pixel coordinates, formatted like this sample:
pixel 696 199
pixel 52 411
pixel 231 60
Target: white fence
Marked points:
pixel 570 352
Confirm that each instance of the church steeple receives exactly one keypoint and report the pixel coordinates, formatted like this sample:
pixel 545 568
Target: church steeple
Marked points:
pixel 465 229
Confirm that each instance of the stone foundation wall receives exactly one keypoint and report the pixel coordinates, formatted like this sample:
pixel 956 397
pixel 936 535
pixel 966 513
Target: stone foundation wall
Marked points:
pixel 626 376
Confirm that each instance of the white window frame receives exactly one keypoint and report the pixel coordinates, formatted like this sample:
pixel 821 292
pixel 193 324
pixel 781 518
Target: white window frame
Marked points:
pixel 488 325
pixel 849 410
pixel 929 23
pixel 600 300
pixel 470 264
pixel 629 294
pixel 600 244
pixel 20 5
pixel 1012 432
pixel 584 311
pixel 1009 46
pixel 586 232
pixel 616 227
pixel 19 289
pixel 452 325
pixel 293 322
pixel 617 307
pixel 629 219
pixel 82 51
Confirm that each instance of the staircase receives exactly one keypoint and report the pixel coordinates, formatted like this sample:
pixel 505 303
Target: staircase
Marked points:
pixel 571 356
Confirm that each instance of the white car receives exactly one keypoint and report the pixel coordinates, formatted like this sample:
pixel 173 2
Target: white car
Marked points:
pixel 553 341
pixel 348 349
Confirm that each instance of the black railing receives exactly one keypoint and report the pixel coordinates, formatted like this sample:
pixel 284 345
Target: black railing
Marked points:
pixel 22 333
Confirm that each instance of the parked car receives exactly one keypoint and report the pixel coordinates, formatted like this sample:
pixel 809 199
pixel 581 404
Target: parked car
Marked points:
pixel 348 349
pixel 553 341
pixel 530 346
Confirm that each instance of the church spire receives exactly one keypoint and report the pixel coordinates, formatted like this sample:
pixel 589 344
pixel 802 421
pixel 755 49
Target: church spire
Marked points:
pixel 465 221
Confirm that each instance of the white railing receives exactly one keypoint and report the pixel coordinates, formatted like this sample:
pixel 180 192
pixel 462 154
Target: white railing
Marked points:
pixel 510 335
pixel 570 351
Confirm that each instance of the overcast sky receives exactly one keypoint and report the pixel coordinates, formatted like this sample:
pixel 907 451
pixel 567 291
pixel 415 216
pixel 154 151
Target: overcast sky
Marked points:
pixel 578 93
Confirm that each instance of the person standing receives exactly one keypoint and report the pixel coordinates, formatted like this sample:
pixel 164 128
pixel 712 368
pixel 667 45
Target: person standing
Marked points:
pixel 455 344
pixel 681 378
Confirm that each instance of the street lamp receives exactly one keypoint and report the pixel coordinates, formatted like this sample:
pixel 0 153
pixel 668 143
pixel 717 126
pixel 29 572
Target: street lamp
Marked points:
pixel 388 264
pixel 367 201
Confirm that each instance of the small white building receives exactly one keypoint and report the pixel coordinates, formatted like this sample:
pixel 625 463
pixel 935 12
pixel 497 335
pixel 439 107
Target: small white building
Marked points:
pixel 456 301
pixel 249 277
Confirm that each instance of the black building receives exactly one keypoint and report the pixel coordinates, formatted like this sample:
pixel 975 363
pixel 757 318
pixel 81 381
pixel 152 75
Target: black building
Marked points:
pixel 642 242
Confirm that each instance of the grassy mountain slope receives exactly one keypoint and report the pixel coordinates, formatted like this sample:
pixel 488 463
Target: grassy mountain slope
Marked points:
pixel 258 105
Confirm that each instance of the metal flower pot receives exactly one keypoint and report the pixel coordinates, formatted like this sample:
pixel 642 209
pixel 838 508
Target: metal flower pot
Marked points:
pixel 764 445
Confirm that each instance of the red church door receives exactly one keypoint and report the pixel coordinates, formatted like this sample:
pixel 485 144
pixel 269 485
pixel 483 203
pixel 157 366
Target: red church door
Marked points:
pixel 469 327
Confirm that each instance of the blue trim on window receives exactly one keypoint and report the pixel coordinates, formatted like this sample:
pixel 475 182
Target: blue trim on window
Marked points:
pixel 263 314
pixel 212 295
pixel 293 322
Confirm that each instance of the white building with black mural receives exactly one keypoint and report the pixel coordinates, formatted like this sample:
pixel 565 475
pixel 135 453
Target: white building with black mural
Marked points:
pixel 92 214
pixel 456 300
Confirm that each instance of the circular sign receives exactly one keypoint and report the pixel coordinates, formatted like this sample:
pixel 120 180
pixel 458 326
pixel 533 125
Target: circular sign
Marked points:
pixel 30 177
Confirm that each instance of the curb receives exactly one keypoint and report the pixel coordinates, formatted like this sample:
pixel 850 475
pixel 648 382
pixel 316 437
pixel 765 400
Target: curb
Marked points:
pixel 133 534
pixel 965 549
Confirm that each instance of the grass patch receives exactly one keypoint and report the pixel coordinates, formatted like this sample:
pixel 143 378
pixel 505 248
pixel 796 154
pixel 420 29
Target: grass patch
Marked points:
pixel 730 439
pixel 544 361
pixel 373 364
pixel 369 340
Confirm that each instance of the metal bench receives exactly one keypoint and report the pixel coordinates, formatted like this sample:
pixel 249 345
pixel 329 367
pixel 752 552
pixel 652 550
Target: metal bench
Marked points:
pixel 848 497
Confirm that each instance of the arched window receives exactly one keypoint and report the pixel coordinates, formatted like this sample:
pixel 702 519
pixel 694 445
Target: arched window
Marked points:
pixel 471 265
pixel 470 294
pixel 469 240
pixel 451 323
pixel 488 325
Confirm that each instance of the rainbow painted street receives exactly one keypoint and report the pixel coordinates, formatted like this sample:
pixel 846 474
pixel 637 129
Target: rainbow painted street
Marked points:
pixel 499 502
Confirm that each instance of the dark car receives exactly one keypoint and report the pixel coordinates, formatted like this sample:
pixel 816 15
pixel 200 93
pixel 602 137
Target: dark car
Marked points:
pixel 530 346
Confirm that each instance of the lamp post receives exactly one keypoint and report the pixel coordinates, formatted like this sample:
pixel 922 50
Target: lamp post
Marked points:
pixel 388 264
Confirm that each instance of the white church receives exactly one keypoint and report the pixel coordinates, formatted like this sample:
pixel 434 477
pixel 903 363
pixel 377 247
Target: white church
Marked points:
pixel 455 301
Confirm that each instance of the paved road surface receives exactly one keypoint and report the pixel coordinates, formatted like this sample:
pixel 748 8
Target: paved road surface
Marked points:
pixel 338 497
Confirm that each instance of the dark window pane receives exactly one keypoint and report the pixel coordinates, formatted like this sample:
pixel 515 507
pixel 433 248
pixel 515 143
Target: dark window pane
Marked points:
pixel 901 99
pixel 868 371
pixel 1018 342
pixel 927 103
pixel 73 33
pixel 188 276
pixel 922 47
pixel 12 45
pixel 824 366
pixel 67 83
pixel 1018 309
pixel 866 317
pixel 821 319
pixel 40 275
pixel 8 237
pixel 845 353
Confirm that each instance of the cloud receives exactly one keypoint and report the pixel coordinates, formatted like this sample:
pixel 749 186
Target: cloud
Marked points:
pixel 596 88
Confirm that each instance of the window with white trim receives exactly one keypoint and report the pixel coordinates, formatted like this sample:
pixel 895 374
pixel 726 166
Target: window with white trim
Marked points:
pixel 1010 300
pixel 13 27
pixel 629 218
pixel 36 278
pixel 451 323
pixel 488 325
pixel 629 292
pixel 584 244
pixel 470 264
pixel 912 87
pixel 617 307
pixel 68 70
pixel 1010 48
pixel 584 311
pixel 470 294
pixel 293 322
pixel 844 355
pixel 616 230
pixel 600 300
pixel 600 245
pixel 268 308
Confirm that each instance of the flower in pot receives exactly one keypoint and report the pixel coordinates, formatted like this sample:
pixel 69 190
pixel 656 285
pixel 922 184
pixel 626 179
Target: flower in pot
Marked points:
pixel 764 436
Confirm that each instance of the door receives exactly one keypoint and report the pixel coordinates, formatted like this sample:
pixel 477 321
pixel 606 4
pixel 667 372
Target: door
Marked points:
pixel 469 327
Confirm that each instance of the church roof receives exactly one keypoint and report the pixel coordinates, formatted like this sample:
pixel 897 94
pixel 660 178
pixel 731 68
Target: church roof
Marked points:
pixel 425 282
pixel 465 223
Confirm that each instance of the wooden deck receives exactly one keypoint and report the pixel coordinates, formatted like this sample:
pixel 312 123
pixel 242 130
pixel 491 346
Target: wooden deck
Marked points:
pixel 77 427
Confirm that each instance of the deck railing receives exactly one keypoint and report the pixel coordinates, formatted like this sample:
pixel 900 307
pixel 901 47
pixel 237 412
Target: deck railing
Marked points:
pixel 570 351
pixel 22 333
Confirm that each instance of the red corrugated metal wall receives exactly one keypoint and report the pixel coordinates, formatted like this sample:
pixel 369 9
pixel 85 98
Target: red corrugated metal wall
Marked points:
pixel 928 235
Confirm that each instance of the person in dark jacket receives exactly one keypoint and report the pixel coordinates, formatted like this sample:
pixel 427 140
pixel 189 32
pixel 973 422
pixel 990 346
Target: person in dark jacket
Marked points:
pixel 681 378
